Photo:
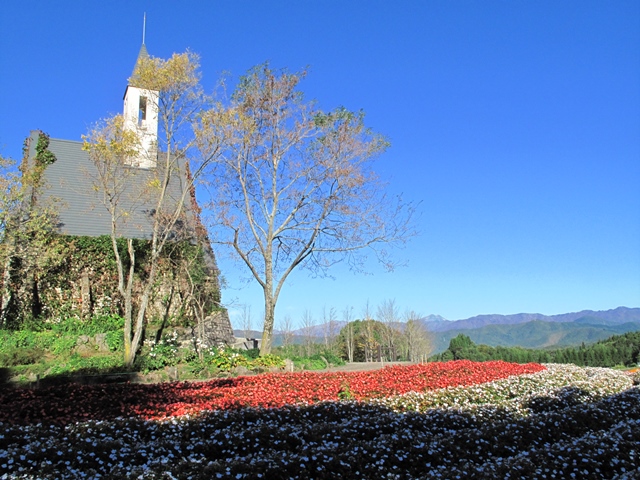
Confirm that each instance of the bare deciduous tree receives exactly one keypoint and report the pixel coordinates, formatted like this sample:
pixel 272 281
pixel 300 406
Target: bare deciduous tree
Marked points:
pixel 329 324
pixel 309 329
pixel 388 315
pixel 113 149
pixel 174 86
pixel 247 321
pixel 349 337
pixel 286 329
pixel 417 339
pixel 372 347
pixel 294 186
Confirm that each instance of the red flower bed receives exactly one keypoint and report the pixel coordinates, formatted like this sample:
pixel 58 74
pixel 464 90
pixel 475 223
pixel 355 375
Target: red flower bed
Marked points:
pixel 69 403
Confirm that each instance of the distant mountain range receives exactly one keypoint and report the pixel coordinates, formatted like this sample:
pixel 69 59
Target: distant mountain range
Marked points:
pixel 620 315
pixel 533 330
pixel 530 330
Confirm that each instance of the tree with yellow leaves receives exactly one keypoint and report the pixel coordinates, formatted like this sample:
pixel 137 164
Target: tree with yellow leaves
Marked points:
pixel 294 186
pixel 172 88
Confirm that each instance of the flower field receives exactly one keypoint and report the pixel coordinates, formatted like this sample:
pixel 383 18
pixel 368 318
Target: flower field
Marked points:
pixel 442 420
pixel 73 403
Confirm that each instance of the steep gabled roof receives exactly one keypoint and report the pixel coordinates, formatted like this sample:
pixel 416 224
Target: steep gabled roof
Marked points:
pixel 142 55
pixel 70 180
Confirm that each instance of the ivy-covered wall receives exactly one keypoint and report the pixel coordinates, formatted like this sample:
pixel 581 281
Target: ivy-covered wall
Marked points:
pixel 81 280
pixel 48 277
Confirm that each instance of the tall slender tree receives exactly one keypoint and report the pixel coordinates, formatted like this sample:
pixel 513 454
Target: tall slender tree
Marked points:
pixel 349 333
pixel 295 186
pixel 26 230
pixel 387 314
pixel 417 340
pixel 173 85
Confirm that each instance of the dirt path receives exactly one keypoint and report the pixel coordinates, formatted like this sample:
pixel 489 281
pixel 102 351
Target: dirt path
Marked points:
pixel 363 366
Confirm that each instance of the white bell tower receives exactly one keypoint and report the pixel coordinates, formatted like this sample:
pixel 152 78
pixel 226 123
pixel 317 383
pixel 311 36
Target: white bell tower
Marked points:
pixel 141 113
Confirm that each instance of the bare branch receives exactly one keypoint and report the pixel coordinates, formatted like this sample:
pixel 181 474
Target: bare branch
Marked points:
pixel 294 186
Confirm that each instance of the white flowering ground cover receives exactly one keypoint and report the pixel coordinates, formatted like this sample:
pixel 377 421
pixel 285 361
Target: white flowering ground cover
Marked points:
pixel 563 422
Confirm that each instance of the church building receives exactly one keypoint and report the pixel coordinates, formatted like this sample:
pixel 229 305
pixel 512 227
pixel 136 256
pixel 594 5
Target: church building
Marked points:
pixel 79 277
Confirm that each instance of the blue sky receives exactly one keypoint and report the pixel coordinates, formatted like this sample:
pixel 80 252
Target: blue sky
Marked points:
pixel 516 125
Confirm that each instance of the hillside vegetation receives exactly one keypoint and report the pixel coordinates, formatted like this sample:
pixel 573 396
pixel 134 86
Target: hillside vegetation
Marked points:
pixel 535 330
pixel 527 330
pixel 618 350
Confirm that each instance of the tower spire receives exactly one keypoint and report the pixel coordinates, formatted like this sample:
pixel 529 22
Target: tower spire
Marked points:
pixel 141 109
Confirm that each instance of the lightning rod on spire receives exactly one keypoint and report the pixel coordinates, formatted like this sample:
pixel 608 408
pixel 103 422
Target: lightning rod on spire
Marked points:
pixel 144 26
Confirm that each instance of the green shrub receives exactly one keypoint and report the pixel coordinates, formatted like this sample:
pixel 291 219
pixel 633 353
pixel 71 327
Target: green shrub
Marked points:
pixel 332 358
pixel 18 339
pixel 13 356
pixel 216 359
pixel 91 327
pixel 225 359
pixel 268 361
pixel 115 340
pixel 68 326
pixel 309 363
pixel 318 361
pixel 64 345
pixel 200 369
pixel 24 339
pixel 251 354
pixel 5 339
pixel 159 355
pixel 88 365
pixel 46 339
pixel 29 370
pixel 105 324
pixel 98 364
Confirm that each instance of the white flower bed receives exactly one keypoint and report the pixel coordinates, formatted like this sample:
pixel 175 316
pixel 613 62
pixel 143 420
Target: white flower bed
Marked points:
pixel 566 422
pixel 515 395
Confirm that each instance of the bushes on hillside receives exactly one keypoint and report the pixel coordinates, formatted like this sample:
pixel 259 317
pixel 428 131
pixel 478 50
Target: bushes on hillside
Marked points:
pixel 619 350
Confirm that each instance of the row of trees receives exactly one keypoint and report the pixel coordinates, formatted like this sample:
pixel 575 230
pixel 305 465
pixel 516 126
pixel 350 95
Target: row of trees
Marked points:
pixel 374 341
pixel 614 351
pixel 291 186
pixel 390 336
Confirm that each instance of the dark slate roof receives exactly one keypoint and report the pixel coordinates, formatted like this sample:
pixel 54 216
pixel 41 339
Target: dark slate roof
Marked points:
pixel 70 180
pixel 141 54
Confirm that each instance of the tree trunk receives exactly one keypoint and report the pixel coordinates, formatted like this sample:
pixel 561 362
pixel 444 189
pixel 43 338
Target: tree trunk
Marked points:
pixel 349 341
pixel 127 294
pixel 128 358
pixel 269 317
pixel 6 291
pixel 142 309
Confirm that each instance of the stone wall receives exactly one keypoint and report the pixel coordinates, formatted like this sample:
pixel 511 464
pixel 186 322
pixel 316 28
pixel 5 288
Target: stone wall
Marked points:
pixel 217 329
pixel 214 331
